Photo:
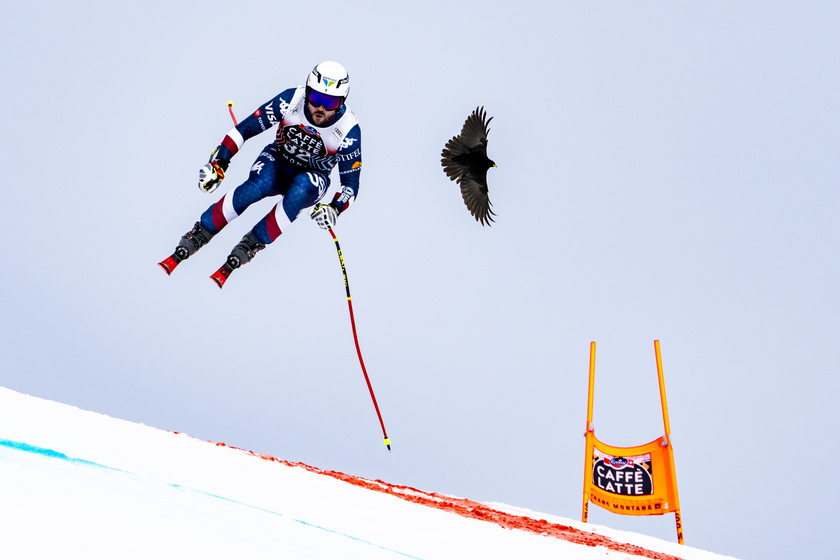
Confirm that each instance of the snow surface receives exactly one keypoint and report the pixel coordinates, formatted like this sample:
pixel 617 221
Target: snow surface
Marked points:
pixel 77 484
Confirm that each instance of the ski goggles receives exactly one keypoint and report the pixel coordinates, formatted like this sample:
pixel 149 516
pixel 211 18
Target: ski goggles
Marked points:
pixel 328 102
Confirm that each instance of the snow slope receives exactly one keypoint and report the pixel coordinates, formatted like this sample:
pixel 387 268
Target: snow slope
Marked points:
pixel 76 484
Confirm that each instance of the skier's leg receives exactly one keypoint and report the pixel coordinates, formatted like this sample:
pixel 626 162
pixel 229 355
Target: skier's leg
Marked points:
pixel 260 184
pixel 304 190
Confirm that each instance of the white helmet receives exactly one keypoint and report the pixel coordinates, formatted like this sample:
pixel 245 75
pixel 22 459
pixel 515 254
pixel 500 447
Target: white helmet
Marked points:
pixel 329 78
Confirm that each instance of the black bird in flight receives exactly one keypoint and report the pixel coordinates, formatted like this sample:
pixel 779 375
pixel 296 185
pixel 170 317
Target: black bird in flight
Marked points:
pixel 465 161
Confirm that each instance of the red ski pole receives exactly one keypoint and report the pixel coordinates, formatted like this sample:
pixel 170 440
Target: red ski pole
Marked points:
pixel 356 339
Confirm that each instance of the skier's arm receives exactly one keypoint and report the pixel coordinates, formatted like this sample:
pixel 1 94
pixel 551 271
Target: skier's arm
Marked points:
pixel 349 168
pixel 266 116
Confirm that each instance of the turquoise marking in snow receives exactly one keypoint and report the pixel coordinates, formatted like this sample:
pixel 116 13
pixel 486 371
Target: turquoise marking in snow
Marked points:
pixel 53 454
pixel 20 446
pixel 300 521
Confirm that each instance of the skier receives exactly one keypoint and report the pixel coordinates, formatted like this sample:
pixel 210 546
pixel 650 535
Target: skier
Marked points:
pixel 315 131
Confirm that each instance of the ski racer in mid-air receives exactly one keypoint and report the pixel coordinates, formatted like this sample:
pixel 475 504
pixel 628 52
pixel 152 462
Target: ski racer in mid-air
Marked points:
pixel 315 132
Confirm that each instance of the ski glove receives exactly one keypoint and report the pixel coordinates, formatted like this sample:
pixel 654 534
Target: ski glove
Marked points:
pixel 210 176
pixel 324 215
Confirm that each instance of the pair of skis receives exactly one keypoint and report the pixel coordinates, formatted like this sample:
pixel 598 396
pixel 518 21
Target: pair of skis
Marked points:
pixel 219 277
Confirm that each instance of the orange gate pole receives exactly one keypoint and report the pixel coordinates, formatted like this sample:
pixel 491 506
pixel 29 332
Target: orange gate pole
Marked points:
pixel 667 424
pixel 587 468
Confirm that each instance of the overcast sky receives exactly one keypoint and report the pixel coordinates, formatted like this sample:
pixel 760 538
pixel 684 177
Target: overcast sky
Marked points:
pixel 666 171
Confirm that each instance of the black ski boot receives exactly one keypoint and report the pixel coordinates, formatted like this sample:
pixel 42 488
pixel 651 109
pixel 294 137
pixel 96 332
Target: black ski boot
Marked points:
pixel 190 242
pixel 241 254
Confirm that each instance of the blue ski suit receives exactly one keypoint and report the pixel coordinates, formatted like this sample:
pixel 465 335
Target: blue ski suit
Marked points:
pixel 295 166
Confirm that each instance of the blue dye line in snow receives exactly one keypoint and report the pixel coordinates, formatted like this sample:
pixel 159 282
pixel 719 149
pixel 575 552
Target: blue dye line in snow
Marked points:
pixel 20 446
pixel 300 521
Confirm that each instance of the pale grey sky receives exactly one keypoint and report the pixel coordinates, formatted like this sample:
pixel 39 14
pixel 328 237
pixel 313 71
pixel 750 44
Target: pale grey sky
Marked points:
pixel 667 171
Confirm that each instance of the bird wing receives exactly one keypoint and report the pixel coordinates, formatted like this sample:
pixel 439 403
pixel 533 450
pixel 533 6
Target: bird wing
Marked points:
pixel 475 129
pixel 477 200
pixel 453 168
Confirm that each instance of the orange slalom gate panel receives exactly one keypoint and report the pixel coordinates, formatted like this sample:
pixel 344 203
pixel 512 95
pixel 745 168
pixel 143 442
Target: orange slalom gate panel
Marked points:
pixel 633 480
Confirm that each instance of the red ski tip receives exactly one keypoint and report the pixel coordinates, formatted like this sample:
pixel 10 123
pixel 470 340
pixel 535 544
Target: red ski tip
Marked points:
pixel 168 265
pixel 218 279
pixel 221 275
